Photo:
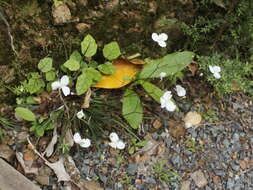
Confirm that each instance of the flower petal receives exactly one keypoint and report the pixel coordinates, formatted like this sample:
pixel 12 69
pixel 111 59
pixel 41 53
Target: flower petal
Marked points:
pixel 162 75
pixel 170 106
pixel 114 137
pixel 56 85
pixel 64 80
pixel 77 138
pixel 180 90
pixel 121 145
pixel 66 90
pixel 211 69
pixel 216 69
pixel 85 143
pixel 217 75
pixel 155 37
pixel 163 37
pixel 162 43
pixel 80 114
pixel 167 95
pixel 113 144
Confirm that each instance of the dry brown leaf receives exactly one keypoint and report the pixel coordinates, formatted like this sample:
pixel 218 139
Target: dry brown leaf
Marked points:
pixel 50 148
pixel 157 124
pixel 192 119
pixel 59 170
pixel 68 139
pixel 176 129
pixel 137 62
pixel 26 165
pixel 125 72
pixel 86 103
pixel 6 152
pixel 193 67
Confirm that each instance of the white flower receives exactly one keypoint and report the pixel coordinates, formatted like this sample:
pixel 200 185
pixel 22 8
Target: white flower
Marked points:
pixel 166 102
pixel 215 70
pixel 62 84
pixel 180 90
pixel 116 142
pixel 160 39
pixel 80 114
pixel 162 75
pixel 85 143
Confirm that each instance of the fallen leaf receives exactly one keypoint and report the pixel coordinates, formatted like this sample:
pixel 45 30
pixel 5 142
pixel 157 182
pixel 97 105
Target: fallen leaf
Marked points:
pixel 6 152
pixel 137 62
pixel 176 129
pixel 68 139
pixel 86 103
pixel 193 67
pixel 59 170
pixel 125 72
pixel 28 156
pixel 26 165
pixel 88 185
pixel 192 119
pixel 61 14
pixel 50 148
pixel 157 124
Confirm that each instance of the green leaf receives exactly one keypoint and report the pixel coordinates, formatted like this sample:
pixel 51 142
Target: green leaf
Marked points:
pixel 45 64
pixel 152 90
pixel 25 114
pixel 83 83
pixel 111 51
pixel 50 75
pixel 107 68
pixel 132 109
pixel 34 84
pixel 93 74
pixel 170 64
pixel 73 63
pixel 88 46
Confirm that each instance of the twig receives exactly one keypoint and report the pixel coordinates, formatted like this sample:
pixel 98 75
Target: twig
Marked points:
pixel 9 33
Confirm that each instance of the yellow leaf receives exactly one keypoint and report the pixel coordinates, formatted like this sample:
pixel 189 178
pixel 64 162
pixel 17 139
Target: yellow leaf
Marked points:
pixel 125 72
pixel 137 62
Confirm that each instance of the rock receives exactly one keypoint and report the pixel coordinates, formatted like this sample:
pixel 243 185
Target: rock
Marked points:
pixel 132 169
pixel 82 27
pixel 61 14
pixel 230 183
pixel 199 179
pixel 11 179
pixel 185 185
pixel 43 180
pixel 216 179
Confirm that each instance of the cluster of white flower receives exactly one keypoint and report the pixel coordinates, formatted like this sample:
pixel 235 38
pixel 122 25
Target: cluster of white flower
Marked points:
pixel 115 141
pixel 216 71
pixel 85 143
pixel 62 84
pixel 166 99
pixel 160 39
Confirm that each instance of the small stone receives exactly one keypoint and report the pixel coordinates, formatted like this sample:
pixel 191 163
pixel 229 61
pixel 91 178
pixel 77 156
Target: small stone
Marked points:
pixel 132 169
pixel 230 183
pixel 216 179
pixel 235 167
pixel 42 180
pixel 61 14
pixel 199 179
pixel 243 164
pixel 157 124
pixel 185 185
pixel 82 27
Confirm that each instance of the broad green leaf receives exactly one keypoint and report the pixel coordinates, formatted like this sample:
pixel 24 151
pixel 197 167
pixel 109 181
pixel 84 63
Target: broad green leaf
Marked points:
pixel 111 51
pixel 170 64
pixel 88 46
pixel 25 114
pixel 152 90
pixel 34 85
pixel 50 75
pixel 83 83
pixel 107 68
pixel 93 74
pixel 73 63
pixel 45 64
pixel 132 109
